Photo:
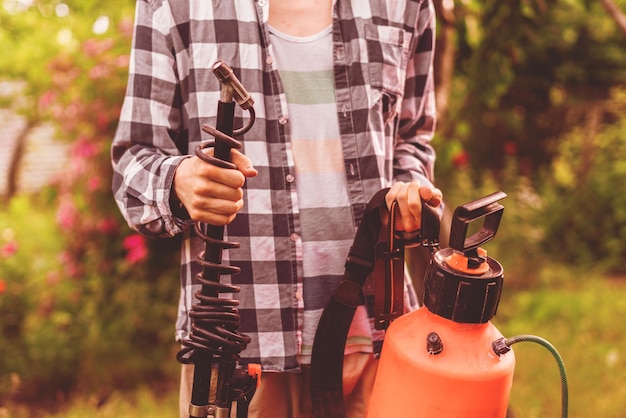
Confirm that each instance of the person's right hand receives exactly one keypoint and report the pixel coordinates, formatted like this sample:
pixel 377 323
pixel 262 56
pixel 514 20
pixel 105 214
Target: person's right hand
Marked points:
pixel 212 194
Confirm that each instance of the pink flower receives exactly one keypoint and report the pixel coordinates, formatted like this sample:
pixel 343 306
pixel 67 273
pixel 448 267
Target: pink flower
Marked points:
pixel 9 249
pixel 46 99
pixel 70 267
pixel 93 184
pixel 99 71
pixel 108 226
pixel 91 47
pixel 122 61
pixel 510 148
pixel 94 47
pixel 135 245
pixel 125 27
pixel 65 257
pixel 53 278
pixel 102 121
pixel 84 149
pixel 67 214
pixel 460 159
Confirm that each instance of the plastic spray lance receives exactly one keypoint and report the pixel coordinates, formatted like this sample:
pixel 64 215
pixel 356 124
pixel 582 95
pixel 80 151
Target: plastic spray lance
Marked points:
pixel 446 359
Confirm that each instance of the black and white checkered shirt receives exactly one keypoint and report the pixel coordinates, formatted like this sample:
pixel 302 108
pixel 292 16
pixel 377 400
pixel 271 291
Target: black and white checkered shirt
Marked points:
pixel 382 53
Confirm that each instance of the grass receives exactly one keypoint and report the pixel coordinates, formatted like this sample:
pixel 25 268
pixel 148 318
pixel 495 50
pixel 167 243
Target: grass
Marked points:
pixel 142 402
pixel 583 317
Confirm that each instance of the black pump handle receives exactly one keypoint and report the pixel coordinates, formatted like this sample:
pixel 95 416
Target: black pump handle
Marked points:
pixel 487 208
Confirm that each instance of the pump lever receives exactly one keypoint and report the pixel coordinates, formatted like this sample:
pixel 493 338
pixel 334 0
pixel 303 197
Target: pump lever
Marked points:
pixel 486 208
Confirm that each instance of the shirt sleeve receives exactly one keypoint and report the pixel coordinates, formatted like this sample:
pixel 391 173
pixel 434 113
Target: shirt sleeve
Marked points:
pixel 144 152
pixel 414 156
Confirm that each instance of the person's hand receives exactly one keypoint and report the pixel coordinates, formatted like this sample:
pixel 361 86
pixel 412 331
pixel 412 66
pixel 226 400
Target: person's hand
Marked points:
pixel 409 197
pixel 212 194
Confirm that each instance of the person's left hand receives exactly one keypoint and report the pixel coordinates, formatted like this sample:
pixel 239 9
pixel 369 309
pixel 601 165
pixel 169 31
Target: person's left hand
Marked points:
pixel 409 197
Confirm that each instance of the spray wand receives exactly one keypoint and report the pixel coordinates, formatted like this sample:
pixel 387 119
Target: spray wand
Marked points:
pixel 215 342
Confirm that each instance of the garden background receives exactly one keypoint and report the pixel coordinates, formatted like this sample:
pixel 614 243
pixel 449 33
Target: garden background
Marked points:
pixel 531 99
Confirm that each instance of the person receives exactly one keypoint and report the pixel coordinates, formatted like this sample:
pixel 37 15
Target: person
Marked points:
pixel 344 103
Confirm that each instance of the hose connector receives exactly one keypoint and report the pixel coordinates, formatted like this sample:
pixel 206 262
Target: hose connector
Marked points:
pixel 500 346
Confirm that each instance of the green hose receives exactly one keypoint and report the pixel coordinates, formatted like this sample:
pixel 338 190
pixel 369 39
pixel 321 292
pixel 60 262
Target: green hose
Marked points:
pixel 532 338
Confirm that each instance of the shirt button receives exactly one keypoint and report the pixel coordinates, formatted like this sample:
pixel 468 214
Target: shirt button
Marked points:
pixel 269 60
pixel 299 295
pixel 290 178
pixel 294 237
pixel 261 3
pixel 338 53
pixel 282 120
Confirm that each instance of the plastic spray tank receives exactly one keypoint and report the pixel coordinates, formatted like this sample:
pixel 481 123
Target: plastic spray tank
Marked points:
pixel 440 360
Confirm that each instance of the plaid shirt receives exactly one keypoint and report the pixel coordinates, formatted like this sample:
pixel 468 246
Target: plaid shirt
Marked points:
pixel 382 53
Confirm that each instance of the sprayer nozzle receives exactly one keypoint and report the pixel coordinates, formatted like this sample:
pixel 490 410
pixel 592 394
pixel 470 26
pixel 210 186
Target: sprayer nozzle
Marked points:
pixel 434 345
pixel 227 77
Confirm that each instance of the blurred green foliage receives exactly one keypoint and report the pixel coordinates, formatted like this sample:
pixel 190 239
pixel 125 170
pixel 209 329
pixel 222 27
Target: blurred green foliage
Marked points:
pixel 525 73
pixel 102 323
pixel 585 208
pixel 85 302
pixel 33 32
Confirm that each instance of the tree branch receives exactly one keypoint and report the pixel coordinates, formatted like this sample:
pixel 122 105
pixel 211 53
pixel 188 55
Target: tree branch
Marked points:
pixel 616 14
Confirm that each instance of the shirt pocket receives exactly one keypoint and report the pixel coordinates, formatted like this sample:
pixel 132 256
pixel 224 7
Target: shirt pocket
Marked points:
pixel 388 52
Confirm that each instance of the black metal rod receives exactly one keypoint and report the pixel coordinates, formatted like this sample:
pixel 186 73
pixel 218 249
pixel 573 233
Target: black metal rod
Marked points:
pixel 213 253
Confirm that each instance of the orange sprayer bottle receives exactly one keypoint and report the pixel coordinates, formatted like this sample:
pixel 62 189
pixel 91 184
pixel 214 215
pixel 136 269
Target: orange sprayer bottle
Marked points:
pixel 438 361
